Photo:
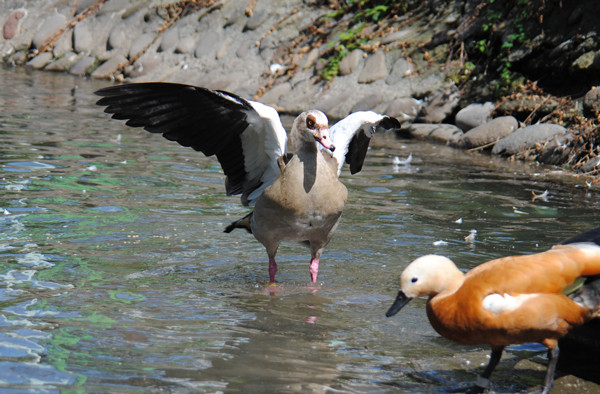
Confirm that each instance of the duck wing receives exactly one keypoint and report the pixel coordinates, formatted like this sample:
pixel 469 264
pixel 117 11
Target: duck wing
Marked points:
pixel 247 137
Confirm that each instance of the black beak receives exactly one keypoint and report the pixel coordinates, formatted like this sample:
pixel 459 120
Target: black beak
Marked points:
pixel 399 302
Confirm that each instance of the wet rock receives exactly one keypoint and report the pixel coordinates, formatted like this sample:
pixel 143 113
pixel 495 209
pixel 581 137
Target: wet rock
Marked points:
pixel 351 63
pixel 108 68
pixel 404 109
pixel 489 132
pixel 591 101
pixel 400 70
pixel 440 105
pixel 82 66
pixel 526 137
pixel 13 23
pixel 51 26
pixel 40 61
pixel 64 63
pixel 556 150
pixel 374 68
pixel 441 132
pixel 474 115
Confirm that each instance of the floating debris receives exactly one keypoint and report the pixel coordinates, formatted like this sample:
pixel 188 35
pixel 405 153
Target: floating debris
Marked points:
pixel 404 162
pixel 459 221
pixel 471 237
pixel 543 196
pixel 440 243
pixel 516 210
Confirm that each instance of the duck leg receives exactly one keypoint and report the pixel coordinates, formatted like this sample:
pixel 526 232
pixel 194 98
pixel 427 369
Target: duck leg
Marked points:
pixel 483 382
pixel 552 361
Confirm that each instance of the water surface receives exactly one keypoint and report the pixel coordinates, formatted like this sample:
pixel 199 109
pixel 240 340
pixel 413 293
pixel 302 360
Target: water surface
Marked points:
pixel 116 275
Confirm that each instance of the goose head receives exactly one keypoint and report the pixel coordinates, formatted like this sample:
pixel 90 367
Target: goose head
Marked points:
pixel 311 126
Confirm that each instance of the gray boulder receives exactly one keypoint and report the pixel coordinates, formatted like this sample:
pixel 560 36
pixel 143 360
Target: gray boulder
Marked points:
pixel 473 115
pixel 374 68
pixel 441 132
pixel 526 137
pixel 489 132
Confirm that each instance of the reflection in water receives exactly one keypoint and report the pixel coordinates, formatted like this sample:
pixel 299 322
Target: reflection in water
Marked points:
pixel 116 274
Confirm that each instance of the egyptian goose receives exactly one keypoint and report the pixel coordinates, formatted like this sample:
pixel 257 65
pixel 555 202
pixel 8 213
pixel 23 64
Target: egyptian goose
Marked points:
pixel 512 300
pixel 295 197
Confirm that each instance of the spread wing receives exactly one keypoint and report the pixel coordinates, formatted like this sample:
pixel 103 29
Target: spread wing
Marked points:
pixel 351 137
pixel 246 136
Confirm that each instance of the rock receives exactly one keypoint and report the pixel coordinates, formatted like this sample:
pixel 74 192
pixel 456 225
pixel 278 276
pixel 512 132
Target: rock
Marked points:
pixel 83 38
pixel 404 109
pixel 584 62
pixel 397 36
pixel 13 23
pixel 207 44
pixel 82 66
pixel 222 52
pixel 351 62
pixel 140 44
pixel 374 68
pixel 49 29
pixel 401 69
pixel 591 101
pixel 40 61
pixel 526 137
pixel 441 132
pixel 64 63
pixel 144 65
pixel 169 40
pixel 489 132
pixel 556 150
pixel 473 115
pixel 64 44
pixel 368 103
pixel 109 67
pixel 440 105
pixel 311 58
pixel 273 95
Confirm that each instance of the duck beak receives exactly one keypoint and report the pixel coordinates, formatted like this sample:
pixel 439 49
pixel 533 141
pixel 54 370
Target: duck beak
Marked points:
pixel 399 302
pixel 322 137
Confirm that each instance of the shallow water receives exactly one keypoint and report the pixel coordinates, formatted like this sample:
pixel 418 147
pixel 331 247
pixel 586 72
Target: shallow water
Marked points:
pixel 116 275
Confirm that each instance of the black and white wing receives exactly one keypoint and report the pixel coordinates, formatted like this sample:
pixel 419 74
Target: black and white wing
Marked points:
pixel 246 136
pixel 351 137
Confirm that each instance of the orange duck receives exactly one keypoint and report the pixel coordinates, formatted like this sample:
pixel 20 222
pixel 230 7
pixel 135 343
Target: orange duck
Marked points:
pixel 511 300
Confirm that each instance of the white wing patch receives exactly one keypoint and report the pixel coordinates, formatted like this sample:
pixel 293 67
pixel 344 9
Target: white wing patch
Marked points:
pixel 343 131
pixel 263 141
pixel 498 303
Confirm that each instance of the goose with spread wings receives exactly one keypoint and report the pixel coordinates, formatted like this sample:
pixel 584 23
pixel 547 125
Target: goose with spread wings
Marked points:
pixel 296 197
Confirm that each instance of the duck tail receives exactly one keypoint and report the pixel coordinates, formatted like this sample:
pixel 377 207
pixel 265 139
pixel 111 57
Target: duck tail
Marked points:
pixel 241 223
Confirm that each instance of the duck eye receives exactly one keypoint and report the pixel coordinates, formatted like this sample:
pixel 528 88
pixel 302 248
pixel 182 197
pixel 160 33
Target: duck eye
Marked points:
pixel 414 280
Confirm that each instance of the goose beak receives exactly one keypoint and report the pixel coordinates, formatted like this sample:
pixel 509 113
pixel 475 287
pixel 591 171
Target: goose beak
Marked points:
pixel 322 137
pixel 399 302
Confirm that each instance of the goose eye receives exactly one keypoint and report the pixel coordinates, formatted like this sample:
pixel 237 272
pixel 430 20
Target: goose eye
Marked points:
pixel 414 280
pixel 310 123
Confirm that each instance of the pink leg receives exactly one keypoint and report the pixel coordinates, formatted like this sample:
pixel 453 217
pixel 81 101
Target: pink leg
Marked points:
pixel 314 269
pixel 272 269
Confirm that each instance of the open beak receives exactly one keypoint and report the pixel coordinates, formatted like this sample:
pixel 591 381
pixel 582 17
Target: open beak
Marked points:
pixel 322 137
pixel 399 302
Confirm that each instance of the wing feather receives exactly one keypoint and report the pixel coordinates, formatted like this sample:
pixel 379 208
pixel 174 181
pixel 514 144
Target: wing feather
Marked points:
pixel 351 137
pixel 246 137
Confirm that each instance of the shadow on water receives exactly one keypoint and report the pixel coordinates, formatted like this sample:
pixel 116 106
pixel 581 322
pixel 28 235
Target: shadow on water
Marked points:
pixel 117 276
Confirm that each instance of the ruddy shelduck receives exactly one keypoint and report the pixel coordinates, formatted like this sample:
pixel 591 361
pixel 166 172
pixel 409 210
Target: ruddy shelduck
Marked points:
pixel 511 300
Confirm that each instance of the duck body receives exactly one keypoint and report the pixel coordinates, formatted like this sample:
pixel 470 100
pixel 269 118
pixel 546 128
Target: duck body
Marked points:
pixel 511 300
